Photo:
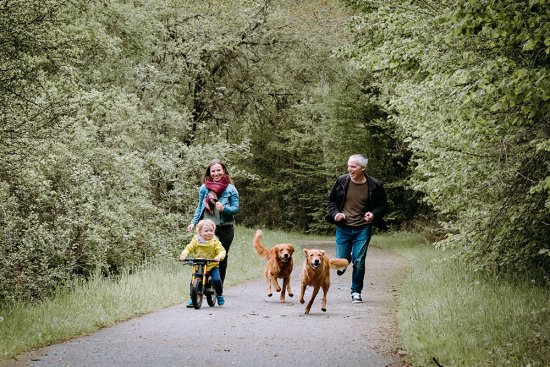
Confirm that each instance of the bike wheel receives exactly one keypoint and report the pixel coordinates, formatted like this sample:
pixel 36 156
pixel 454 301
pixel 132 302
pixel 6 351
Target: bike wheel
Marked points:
pixel 210 294
pixel 196 293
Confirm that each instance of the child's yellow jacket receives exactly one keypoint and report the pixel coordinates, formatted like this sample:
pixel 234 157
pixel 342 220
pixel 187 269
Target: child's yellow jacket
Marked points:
pixel 209 250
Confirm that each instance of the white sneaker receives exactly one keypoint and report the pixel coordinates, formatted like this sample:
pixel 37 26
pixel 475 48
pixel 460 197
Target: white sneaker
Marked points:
pixel 356 297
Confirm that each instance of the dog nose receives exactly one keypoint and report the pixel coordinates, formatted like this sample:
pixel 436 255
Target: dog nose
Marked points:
pixel 285 256
pixel 316 262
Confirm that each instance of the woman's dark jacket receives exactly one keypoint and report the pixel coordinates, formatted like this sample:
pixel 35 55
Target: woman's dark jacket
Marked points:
pixel 378 204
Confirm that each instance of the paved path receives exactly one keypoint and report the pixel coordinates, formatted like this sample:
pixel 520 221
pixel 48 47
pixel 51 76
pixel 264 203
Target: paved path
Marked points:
pixel 252 329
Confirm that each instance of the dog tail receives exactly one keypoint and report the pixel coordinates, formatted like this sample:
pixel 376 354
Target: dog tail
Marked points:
pixel 261 250
pixel 338 263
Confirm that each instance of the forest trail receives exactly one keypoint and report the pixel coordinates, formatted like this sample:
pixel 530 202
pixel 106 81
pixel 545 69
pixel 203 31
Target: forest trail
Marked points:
pixel 254 330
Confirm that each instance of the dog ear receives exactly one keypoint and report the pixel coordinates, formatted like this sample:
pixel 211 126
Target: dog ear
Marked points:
pixel 306 250
pixel 322 252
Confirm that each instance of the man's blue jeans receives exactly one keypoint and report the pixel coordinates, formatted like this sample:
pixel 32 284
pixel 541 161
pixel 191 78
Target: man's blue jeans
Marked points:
pixel 352 244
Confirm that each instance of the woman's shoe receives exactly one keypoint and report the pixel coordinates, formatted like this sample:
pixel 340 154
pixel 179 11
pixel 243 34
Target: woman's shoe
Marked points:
pixel 189 304
pixel 221 300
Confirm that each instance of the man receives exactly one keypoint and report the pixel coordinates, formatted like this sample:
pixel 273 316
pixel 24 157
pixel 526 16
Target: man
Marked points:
pixel 356 203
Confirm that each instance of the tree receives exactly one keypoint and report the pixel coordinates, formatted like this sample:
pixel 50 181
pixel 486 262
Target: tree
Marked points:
pixel 95 176
pixel 468 83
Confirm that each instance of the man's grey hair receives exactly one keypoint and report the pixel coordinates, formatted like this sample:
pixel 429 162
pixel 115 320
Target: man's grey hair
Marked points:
pixel 359 159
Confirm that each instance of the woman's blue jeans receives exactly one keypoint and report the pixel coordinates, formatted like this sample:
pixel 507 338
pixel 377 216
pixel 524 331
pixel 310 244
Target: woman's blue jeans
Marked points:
pixel 352 244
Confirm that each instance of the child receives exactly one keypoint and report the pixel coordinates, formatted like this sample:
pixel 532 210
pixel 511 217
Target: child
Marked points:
pixel 206 244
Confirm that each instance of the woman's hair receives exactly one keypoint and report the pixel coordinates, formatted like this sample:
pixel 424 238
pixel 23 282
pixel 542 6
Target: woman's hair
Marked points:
pixel 225 170
pixel 205 222
pixel 359 159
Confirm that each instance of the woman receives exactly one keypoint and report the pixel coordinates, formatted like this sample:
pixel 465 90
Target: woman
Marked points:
pixel 218 201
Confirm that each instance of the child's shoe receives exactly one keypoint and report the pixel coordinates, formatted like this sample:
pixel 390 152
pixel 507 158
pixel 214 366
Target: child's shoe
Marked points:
pixel 221 300
pixel 189 304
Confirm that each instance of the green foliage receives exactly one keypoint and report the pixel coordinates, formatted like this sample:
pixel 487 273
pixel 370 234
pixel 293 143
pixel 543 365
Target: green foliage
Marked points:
pixel 110 111
pixel 468 84
pixel 289 186
pixel 325 112
pixel 97 169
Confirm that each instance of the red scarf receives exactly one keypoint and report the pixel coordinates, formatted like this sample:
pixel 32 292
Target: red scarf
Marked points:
pixel 215 189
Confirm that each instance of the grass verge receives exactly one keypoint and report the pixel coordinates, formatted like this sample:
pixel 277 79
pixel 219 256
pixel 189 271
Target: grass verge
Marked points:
pixel 449 312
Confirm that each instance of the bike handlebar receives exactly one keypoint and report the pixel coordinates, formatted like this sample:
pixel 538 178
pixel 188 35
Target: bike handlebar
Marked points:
pixel 198 260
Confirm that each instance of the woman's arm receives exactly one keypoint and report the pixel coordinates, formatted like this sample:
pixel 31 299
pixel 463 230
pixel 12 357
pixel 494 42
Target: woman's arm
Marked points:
pixel 231 203
pixel 203 191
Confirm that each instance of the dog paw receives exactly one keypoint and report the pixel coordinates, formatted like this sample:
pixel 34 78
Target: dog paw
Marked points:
pixel 291 294
pixel 270 294
pixel 302 301
pixel 324 309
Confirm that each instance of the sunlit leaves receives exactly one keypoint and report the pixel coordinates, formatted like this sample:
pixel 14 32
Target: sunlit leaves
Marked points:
pixel 95 176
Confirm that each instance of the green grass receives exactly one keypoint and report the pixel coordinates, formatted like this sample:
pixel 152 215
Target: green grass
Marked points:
pixel 448 311
pixel 100 302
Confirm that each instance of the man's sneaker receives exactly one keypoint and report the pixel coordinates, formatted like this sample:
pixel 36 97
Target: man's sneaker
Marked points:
pixel 356 297
pixel 221 300
pixel 189 304
pixel 340 271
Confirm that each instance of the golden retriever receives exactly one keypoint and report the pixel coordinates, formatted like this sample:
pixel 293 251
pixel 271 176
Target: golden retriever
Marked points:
pixel 279 264
pixel 316 273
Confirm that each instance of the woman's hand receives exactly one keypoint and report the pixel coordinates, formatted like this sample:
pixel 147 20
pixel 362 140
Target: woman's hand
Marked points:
pixel 190 227
pixel 219 206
